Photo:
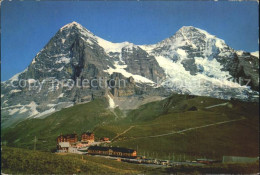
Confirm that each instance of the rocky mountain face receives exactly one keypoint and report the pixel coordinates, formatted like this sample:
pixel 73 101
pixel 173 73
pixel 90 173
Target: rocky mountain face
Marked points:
pixel 194 55
pixel 76 67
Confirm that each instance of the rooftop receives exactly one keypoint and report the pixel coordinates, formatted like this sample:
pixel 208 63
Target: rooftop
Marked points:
pixel 116 149
pixel 64 144
pixel 88 133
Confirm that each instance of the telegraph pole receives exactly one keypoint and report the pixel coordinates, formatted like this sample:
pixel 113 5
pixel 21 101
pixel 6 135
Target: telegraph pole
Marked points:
pixel 35 140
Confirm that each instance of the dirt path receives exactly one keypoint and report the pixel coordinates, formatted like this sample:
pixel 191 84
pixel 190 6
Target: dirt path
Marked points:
pixel 112 110
pixel 184 130
pixel 122 133
pixel 222 104
pixel 204 126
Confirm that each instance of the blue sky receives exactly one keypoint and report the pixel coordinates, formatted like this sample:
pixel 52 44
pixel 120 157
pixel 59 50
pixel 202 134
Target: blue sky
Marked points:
pixel 27 26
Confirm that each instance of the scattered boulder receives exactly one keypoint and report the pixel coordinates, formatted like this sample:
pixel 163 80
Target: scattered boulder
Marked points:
pixel 193 108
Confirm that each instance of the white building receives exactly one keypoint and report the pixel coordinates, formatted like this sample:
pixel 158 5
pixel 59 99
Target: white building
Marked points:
pixel 63 147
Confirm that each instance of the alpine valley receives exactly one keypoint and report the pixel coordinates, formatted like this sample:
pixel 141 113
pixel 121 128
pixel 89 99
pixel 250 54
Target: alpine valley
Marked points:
pixel 189 94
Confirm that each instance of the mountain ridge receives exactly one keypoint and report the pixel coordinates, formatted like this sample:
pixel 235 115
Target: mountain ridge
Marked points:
pixel 150 72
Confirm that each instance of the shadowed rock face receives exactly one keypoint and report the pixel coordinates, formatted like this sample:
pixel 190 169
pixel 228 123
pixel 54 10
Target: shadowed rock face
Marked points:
pixel 76 54
pixel 247 67
pixel 139 62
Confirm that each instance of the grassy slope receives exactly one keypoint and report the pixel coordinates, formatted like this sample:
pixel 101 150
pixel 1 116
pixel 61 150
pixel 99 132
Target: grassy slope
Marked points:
pixel 77 119
pixel 14 160
pixel 235 139
pixel 239 138
pixel 172 114
pixel 22 161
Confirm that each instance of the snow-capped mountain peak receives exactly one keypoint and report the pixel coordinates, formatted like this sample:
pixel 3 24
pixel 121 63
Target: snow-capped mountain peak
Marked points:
pixel 72 24
pixel 191 40
pixel 256 54
pixel 76 28
pixel 106 45
pixel 197 38
pixel 192 30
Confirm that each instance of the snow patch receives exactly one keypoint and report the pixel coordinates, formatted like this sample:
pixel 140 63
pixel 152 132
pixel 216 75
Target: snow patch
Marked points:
pixel 113 47
pixel 15 91
pixel 181 52
pixel 256 54
pixel 33 110
pixel 147 48
pixel 16 76
pixel 71 25
pixel 23 110
pixel 111 102
pixel 63 60
pixel 205 33
pixel 178 77
pixel 30 81
pixel 88 41
pixel 45 113
pixel 51 105
pixel 60 69
pixel 220 43
pixel 13 111
pixel 14 106
pixel 240 52
pixel 61 95
pixel 121 69
pixel 59 55
pixel 33 61
pixel 212 68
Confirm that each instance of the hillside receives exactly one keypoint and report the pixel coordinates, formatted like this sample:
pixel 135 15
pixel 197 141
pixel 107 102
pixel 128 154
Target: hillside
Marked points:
pixel 190 126
pixel 77 119
pixel 24 161
pixel 181 125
